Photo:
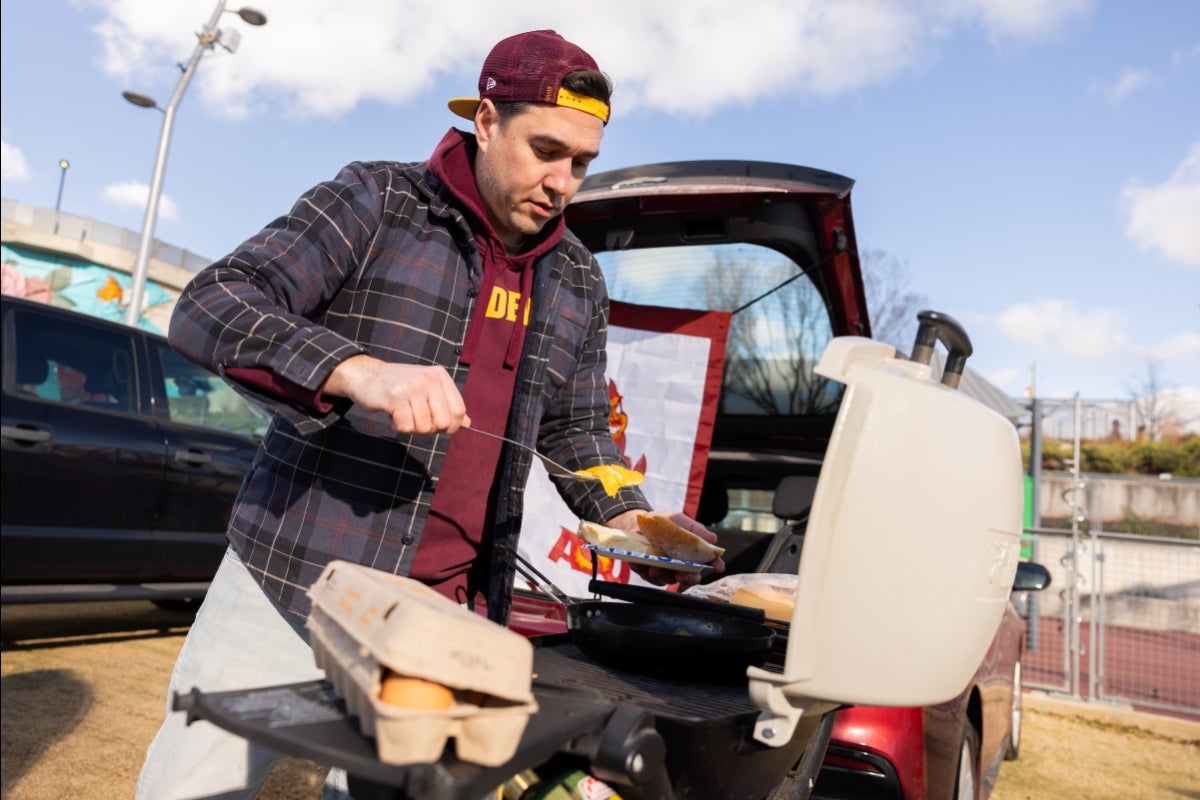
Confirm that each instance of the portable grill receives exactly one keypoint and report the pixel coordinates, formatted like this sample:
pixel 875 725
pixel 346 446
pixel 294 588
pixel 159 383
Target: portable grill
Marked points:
pixel 910 551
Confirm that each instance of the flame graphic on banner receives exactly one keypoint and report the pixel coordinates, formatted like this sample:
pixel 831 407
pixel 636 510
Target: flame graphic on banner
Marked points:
pixel 618 422
pixel 569 547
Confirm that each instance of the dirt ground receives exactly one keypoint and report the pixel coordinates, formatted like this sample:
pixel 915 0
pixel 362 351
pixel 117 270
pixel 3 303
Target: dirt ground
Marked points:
pixel 83 691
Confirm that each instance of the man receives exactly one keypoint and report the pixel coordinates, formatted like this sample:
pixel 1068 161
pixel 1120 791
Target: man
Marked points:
pixel 395 306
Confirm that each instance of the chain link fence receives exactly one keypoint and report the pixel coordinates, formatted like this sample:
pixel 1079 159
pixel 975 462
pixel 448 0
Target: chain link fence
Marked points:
pixel 1121 620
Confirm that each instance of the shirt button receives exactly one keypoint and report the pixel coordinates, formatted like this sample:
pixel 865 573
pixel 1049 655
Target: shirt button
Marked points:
pixel 458 351
pixel 472 292
pixel 408 538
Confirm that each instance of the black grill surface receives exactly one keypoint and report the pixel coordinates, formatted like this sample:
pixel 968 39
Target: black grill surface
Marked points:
pixel 559 663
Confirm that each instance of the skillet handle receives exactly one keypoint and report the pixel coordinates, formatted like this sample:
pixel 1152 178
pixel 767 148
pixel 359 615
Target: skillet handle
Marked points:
pixel 644 594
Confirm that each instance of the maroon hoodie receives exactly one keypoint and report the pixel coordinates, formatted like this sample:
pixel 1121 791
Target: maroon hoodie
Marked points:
pixel 460 517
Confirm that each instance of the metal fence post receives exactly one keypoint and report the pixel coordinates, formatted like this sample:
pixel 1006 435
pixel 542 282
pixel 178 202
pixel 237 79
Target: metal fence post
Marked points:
pixel 1072 606
pixel 1033 615
pixel 1096 602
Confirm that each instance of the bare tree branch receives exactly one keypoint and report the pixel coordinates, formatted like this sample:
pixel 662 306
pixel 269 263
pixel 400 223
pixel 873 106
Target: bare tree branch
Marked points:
pixel 892 305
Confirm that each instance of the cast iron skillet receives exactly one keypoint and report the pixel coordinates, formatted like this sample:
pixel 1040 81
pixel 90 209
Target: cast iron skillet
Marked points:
pixel 668 641
pixel 679 637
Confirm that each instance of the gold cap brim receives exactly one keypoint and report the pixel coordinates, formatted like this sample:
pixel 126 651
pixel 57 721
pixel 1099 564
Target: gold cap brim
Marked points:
pixel 464 106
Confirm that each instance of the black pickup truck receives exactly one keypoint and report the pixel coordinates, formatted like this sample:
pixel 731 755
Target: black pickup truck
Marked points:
pixel 121 461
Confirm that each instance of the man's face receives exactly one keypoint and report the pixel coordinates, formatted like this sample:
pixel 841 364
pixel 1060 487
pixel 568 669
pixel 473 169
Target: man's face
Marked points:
pixel 530 167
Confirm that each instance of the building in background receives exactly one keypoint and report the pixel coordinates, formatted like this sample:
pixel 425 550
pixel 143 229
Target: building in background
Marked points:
pixel 82 263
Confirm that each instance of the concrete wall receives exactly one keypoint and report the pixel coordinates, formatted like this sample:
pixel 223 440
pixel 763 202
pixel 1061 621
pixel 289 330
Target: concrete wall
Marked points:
pixel 1108 497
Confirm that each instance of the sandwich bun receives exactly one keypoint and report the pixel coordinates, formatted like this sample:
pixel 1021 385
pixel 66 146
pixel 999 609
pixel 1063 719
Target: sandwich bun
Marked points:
pixel 617 539
pixel 677 542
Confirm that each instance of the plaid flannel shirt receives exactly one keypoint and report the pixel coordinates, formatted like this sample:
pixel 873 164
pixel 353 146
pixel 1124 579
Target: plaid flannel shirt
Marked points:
pixel 380 261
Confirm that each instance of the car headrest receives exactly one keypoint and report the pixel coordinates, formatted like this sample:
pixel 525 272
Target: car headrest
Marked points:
pixel 32 367
pixel 794 496
pixel 714 501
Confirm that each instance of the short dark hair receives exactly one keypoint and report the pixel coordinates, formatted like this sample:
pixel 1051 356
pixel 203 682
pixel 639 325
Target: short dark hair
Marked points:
pixel 587 82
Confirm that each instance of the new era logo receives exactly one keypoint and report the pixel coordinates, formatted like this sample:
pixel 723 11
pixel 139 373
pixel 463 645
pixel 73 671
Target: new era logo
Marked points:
pixel 491 84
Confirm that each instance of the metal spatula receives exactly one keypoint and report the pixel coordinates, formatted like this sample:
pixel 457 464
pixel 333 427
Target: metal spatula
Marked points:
pixel 553 467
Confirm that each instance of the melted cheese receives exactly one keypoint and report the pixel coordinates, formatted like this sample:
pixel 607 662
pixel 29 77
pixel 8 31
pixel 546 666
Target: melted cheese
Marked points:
pixel 612 476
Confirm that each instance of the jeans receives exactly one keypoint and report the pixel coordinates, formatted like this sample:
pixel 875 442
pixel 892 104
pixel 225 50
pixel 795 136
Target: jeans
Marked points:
pixel 240 639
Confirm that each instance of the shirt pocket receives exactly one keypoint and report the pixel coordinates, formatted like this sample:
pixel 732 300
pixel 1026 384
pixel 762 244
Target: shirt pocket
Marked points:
pixel 565 334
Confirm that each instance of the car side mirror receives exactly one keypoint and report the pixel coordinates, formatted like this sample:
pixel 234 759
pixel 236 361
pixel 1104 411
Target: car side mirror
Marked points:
pixel 1030 577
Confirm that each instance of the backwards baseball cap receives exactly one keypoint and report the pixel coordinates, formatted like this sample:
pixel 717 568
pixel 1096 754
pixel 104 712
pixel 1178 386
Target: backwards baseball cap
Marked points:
pixel 529 68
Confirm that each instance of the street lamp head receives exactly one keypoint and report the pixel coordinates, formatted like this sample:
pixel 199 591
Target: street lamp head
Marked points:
pixel 139 99
pixel 252 16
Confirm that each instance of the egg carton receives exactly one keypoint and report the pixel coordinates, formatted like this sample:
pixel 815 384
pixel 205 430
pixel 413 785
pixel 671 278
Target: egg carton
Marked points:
pixel 365 622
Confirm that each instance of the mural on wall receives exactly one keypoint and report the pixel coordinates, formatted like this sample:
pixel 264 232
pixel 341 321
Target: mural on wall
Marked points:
pixel 81 285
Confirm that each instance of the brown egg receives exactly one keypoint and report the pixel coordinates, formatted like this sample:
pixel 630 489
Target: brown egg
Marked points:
pixel 414 693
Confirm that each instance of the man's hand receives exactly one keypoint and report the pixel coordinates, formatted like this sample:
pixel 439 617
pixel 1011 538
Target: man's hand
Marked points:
pixel 417 399
pixel 660 576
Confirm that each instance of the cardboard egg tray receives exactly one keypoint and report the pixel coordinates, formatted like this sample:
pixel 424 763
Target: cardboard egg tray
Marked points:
pixel 365 621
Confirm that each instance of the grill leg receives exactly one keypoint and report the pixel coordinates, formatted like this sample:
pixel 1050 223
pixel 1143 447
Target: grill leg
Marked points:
pixel 632 753
pixel 799 783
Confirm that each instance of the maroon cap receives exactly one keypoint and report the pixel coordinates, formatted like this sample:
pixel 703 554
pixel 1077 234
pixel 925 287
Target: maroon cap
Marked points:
pixel 529 68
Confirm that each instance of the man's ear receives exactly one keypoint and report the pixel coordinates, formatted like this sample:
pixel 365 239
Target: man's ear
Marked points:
pixel 487 120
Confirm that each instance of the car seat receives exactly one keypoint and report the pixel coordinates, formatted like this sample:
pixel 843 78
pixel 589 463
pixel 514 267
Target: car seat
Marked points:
pixel 107 382
pixel 32 369
pixel 792 502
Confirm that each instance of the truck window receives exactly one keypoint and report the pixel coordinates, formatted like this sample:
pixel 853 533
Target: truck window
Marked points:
pixel 196 396
pixel 780 322
pixel 72 364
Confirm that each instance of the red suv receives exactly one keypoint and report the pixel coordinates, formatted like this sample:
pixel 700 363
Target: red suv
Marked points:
pixel 775 245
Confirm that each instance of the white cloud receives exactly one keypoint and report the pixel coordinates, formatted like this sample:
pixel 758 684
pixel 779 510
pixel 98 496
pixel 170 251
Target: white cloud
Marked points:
pixel 1054 326
pixel 134 194
pixel 1180 57
pixel 1183 348
pixel 1183 403
pixel 1164 217
pixel 1020 19
pixel 323 59
pixel 1126 85
pixel 13 166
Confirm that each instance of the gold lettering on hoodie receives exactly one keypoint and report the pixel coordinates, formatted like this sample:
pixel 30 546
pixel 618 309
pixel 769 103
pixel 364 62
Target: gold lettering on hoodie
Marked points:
pixel 504 304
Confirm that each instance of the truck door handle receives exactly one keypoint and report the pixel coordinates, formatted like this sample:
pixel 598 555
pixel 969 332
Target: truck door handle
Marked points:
pixel 194 457
pixel 24 435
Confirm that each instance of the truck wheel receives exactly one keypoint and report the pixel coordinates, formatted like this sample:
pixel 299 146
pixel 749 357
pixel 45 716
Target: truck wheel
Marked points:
pixel 1012 748
pixel 966 784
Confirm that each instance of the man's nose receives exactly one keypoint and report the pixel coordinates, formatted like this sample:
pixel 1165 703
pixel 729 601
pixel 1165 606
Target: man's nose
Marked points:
pixel 558 177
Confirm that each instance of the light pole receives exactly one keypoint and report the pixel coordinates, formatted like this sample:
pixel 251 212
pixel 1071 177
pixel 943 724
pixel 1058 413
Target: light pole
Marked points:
pixel 63 179
pixel 209 36
pixel 63 163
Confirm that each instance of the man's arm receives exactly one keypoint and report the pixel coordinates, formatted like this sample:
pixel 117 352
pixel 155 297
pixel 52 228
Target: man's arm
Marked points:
pixel 252 312
pixel 418 399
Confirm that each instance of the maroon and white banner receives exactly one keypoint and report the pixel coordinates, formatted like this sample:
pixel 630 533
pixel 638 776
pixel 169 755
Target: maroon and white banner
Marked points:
pixel 664 373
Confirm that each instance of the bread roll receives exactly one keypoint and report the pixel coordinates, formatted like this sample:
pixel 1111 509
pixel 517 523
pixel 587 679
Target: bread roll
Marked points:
pixel 602 536
pixel 775 603
pixel 675 541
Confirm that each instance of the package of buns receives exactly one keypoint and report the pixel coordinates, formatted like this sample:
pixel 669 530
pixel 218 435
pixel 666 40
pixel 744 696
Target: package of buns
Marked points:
pixel 774 593
pixel 418 670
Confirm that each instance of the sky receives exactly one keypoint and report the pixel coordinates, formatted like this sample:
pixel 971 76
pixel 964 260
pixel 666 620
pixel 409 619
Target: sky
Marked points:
pixel 1033 165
